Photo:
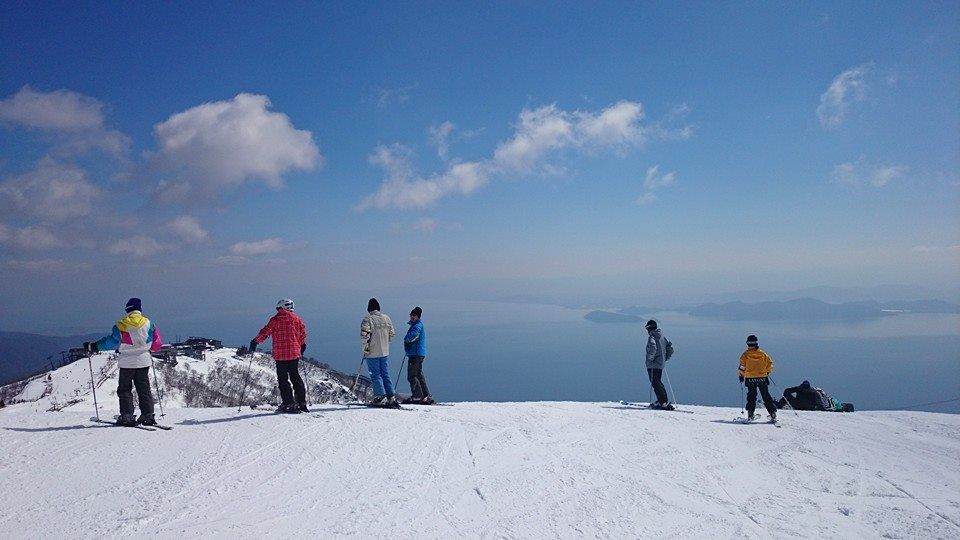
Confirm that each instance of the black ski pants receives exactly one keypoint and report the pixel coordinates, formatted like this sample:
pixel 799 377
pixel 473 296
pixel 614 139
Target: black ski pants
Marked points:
pixel 418 385
pixel 657 384
pixel 289 371
pixel 141 378
pixel 761 384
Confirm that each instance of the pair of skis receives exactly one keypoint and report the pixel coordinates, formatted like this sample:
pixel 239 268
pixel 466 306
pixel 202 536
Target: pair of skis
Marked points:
pixel 153 427
pixel 745 420
pixel 646 406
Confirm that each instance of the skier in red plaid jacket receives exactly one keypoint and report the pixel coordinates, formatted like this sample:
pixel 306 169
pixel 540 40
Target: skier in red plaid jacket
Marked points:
pixel 289 341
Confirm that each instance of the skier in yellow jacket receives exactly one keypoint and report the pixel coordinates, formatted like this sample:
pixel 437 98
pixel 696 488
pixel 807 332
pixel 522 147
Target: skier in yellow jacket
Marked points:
pixel 755 369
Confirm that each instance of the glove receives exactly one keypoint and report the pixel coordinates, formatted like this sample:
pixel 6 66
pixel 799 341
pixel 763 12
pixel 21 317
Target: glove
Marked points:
pixel 91 347
pixel 253 345
pixel 741 378
pixel 303 347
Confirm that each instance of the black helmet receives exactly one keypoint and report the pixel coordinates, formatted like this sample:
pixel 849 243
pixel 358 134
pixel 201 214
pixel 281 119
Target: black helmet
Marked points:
pixel 651 325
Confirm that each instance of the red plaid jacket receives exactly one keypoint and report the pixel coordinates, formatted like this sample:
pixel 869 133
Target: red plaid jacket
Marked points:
pixel 288 332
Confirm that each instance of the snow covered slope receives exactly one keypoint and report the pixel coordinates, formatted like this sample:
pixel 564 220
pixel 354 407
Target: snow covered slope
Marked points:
pixel 481 470
pixel 216 380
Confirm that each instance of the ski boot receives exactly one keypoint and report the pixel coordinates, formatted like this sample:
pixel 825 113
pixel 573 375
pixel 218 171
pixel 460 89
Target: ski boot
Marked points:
pixel 751 417
pixel 147 420
pixel 392 402
pixel 127 420
pixel 379 401
pixel 427 400
pixel 668 407
pixel 302 407
pixel 288 408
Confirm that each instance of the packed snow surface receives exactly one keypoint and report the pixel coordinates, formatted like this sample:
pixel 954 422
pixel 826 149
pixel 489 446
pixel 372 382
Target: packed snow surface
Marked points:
pixel 480 470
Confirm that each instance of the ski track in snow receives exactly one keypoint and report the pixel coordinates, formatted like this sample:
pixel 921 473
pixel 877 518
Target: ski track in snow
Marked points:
pixel 481 470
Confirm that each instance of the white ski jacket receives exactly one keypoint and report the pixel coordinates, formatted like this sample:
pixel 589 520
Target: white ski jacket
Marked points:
pixel 376 333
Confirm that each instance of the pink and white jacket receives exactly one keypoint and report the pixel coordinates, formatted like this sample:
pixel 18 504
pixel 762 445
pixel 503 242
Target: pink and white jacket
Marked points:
pixel 134 337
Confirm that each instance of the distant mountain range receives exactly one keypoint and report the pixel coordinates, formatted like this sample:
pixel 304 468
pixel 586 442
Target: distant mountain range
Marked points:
pixel 800 309
pixel 610 317
pixel 23 354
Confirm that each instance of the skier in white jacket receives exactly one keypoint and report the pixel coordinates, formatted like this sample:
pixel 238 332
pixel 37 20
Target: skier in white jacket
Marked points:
pixel 376 333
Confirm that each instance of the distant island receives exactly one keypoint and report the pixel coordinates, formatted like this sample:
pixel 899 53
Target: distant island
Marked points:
pixel 810 309
pixel 800 309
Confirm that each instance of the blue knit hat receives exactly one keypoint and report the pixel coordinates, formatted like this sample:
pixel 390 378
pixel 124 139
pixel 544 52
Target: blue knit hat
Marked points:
pixel 133 304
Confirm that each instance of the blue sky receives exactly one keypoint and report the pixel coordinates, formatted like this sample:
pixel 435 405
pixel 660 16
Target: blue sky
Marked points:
pixel 232 154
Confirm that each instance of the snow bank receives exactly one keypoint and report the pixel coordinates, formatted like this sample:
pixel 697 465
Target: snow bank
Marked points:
pixel 480 470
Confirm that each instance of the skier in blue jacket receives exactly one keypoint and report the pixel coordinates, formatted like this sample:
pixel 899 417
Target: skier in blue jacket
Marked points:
pixel 415 347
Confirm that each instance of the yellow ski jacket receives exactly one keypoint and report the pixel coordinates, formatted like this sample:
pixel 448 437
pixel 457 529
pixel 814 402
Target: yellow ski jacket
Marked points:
pixel 754 364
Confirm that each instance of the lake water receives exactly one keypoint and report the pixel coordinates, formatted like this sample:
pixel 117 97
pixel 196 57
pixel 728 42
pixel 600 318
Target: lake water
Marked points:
pixel 486 351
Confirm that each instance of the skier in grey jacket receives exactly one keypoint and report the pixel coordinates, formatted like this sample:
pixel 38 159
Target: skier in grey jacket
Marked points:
pixel 659 350
pixel 376 333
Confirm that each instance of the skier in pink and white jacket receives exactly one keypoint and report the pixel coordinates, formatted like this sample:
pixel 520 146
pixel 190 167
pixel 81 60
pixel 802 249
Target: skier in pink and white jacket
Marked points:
pixel 134 337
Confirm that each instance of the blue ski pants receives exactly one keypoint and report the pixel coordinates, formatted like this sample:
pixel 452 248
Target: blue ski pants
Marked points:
pixel 380 375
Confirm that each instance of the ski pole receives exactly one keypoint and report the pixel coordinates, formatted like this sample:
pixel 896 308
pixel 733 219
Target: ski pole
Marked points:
pixel 670 385
pixel 357 380
pixel 156 384
pixel 245 382
pixel 790 405
pixel 93 386
pixel 401 368
pixel 306 385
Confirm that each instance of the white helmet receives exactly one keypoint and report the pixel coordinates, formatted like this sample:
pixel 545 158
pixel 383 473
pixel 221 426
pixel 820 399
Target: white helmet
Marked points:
pixel 285 303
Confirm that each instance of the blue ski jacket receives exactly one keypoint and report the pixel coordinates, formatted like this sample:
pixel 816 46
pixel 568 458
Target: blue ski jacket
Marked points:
pixel 415 342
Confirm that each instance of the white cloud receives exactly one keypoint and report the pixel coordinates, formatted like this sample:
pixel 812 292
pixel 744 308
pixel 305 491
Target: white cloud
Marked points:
pixel 60 110
pixel 215 147
pixel 647 198
pixel 933 249
pixel 187 229
pixel 261 247
pixel 138 247
pixel 439 136
pixel 538 132
pixel 402 189
pixel 538 135
pixel 32 237
pixel 885 174
pixel 860 172
pixel 36 238
pixel 425 224
pixel 655 180
pixel 76 119
pixel 617 125
pixel 389 96
pixel 847 88
pixel 53 192
pixel 42 265
pixel 230 260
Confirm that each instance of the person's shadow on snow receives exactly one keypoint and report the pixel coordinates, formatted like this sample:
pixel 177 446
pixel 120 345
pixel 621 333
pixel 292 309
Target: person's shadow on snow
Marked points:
pixel 194 422
pixel 61 428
